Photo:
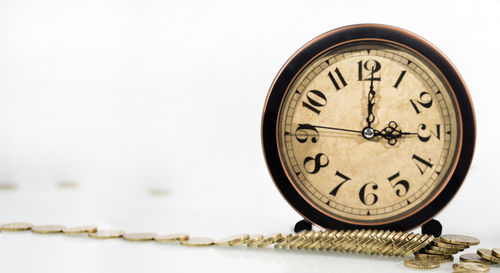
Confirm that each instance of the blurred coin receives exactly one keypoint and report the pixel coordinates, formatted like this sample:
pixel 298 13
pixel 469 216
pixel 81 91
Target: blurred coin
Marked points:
pixel 486 253
pixel 470 267
pixel 496 252
pixel 106 234
pixel 79 229
pixel 233 240
pixel 46 229
pixel 138 237
pixel 269 240
pixel 7 186
pixel 16 227
pixel 459 239
pixel 171 237
pixel 198 241
pixel 422 264
pixel 473 257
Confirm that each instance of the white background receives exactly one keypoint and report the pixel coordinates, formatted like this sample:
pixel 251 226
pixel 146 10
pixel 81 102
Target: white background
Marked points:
pixel 127 97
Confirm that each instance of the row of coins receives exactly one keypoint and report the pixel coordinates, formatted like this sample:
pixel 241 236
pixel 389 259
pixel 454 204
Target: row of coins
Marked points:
pixel 373 242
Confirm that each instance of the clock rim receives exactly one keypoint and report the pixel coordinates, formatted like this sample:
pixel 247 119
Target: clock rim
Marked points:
pixel 338 37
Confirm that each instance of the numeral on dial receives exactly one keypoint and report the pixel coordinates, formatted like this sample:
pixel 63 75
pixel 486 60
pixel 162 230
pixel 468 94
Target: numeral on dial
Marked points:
pixel 399 185
pixel 319 161
pixel 334 81
pixel 425 101
pixel 336 189
pixel 368 199
pixel 400 78
pixel 372 67
pixel 304 131
pixel 421 163
pixel 424 136
pixel 315 100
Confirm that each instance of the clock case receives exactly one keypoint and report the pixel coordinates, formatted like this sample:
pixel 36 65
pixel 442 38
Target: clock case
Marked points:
pixel 317 47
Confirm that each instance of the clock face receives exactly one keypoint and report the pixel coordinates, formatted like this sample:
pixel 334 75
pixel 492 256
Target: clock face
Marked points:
pixel 369 132
pixel 368 126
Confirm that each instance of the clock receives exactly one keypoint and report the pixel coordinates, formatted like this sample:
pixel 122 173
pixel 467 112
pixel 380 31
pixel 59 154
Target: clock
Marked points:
pixel 368 126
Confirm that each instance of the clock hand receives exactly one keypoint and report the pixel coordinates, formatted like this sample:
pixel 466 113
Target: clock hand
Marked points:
pixel 391 133
pixel 371 96
pixel 330 128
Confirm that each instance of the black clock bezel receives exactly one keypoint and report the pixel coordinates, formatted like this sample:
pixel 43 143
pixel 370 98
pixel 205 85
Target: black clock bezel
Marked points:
pixel 341 36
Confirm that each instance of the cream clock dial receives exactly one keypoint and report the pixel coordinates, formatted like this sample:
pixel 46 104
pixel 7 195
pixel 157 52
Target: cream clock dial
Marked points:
pixel 369 131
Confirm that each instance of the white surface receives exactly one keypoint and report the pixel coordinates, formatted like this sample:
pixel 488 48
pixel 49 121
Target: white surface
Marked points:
pixel 122 97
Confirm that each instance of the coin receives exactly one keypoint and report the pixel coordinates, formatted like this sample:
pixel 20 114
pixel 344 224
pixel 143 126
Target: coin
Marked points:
pixel 473 257
pixel 46 229
pixel 423 242
pixel 233 240
pixel 421 256
pixel 486 253
pixel 459 239
pixel 16 227
pixel 438 252
pixel 171 237
pixel 422 264
pixel 439 243
pixel 79 229
pixel 270 240
pixel 106 234
pixel 198 241
pixel 496 252
pixel 445 250
pixel 470 267
pixel 138 237
pixel 254 241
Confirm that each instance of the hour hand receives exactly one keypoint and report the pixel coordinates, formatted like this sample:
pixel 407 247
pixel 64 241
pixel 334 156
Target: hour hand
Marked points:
pixel 392 132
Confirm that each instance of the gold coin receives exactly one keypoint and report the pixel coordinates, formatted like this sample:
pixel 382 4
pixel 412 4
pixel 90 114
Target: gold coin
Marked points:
pixel 449 251
pixel 254 241
pixel 420 244
pixel 106 234
pixel 139 237
pixel 16 227
pixel 171 237
pixel 46 229
pixel 438 242
pixel 438 252
pixel 496 252
pixel 470 267
pixel 269 240
pixel 283 240
pixel 79 229
pixel 459 239
pixel 486 253
pixel 422 256
pixel 233 240
pixel 198 241
pixel 474 258
pixel 422 264
pixel 399 251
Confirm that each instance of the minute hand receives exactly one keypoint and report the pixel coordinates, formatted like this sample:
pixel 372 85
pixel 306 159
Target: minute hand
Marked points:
pixel 332 128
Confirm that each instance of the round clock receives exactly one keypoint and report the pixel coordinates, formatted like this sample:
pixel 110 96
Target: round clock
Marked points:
pixel 368 126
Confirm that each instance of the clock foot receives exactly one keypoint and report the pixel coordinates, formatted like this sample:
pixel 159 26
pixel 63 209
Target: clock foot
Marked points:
pixel 433 227
pixel 302 225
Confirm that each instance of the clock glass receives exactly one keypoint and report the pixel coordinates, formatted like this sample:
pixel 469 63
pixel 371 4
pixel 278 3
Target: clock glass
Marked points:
pixel 369 132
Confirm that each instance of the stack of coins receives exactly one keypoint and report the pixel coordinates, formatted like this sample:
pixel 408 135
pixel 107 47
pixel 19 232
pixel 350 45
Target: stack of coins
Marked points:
pixel 442 249
pixel 371 242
